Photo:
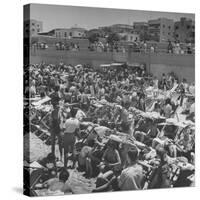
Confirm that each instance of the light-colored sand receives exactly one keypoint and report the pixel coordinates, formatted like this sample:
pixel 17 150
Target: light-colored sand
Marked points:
pixel 39 150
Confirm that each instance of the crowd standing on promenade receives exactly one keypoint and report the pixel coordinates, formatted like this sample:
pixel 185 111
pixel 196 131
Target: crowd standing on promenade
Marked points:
pixel 119 127
pixel 136 46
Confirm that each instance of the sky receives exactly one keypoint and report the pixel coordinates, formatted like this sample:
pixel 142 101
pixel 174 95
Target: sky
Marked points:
pixel 57 16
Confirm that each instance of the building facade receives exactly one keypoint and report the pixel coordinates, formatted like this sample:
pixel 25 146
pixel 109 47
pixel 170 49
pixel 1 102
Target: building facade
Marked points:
pixel 62 33
pixel 129 37
pixel 184 30
pixel 118 28
pixel 141 28
pixel 74 32
pixel 78 32
pixel 32 27
pixel 161 30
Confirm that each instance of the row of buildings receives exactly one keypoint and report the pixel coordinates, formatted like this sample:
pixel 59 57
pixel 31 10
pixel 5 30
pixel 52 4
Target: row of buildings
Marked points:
pixel 33 28
pixel 164 29
pixel 74 32
pixel 160 30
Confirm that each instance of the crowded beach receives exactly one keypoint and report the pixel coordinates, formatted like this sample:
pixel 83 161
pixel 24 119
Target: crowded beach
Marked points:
pixel 111 128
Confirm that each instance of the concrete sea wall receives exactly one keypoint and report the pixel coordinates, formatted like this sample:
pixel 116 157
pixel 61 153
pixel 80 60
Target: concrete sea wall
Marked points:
pixel 157 63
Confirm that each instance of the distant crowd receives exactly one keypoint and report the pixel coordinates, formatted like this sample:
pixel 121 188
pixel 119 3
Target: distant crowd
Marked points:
pixel 136 46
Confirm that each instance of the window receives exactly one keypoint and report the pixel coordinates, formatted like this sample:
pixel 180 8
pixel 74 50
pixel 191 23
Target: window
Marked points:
pixel 176 35
pixel 33 24
pixel 176 27
pixel 169 27
pixel 38 30
pixel 188 26
pixel 163 26
pixel 169 33
pixel 65 34
pixel 33 30
pixel 192 34
pixel 70 33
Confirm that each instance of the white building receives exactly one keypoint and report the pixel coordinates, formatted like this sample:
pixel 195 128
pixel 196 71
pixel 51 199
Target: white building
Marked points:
pixel 74 32
pixel 129 37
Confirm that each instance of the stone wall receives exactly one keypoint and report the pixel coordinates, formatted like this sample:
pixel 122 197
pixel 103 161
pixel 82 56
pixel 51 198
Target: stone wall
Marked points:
pixel 182 65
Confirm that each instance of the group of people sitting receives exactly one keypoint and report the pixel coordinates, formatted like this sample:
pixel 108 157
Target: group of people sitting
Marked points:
pixel 107 102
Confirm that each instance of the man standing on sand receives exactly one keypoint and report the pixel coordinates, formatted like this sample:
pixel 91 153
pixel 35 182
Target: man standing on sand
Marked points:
pixel 70 129
pixel 55 121
pixel 132 177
